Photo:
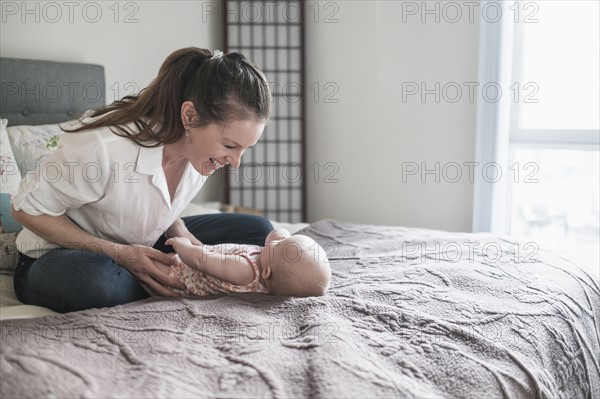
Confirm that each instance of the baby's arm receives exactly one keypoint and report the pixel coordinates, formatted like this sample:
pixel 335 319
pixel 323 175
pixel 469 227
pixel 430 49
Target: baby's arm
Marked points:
pixel 189 253
pixel 230 268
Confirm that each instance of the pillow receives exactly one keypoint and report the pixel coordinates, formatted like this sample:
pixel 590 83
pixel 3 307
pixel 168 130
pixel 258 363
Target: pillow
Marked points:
pixel 201 209
pixel 7 223
pixel 9 172
pixel 10 178
pixel 10 255
pixel 31 144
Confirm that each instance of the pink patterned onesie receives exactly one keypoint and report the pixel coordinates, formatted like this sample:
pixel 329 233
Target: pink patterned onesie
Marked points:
pixel 201 284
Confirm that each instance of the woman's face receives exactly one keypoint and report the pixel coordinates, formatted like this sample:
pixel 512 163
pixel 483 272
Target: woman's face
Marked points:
pixel 215 146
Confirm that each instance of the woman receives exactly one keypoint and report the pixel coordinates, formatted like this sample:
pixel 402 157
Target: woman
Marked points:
pixel 94 237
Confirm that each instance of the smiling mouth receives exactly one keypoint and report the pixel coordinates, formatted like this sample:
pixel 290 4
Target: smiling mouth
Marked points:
pixel 216 164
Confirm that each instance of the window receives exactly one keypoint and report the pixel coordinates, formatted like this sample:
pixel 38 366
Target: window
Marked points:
pixel 546 137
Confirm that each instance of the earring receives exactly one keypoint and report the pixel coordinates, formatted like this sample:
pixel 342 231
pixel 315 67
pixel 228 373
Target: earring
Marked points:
pixel 187 137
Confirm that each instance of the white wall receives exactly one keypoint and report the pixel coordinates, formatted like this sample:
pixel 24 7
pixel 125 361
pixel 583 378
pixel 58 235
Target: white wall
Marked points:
pixel 368 55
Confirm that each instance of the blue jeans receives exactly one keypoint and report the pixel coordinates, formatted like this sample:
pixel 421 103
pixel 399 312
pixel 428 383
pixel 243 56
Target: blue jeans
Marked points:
pixel 66 280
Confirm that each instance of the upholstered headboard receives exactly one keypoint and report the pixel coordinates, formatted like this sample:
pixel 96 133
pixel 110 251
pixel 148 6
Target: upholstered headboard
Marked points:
pixel 40 92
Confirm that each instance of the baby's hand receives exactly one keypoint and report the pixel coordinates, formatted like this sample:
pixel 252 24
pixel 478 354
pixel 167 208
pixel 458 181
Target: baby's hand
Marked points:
pixel 178 241
pixel 176 258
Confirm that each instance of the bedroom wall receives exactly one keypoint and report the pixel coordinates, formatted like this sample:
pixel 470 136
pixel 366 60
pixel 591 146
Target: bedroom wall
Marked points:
pixel 371 134
pixel 362 56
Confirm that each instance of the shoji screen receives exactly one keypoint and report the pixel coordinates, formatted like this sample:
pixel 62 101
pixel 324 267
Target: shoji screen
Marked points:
pixel 271 177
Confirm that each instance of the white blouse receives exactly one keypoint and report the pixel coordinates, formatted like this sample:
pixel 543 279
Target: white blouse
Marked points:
pixel 108 185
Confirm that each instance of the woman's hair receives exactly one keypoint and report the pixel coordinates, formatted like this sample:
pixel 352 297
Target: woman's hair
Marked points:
pixel 221 87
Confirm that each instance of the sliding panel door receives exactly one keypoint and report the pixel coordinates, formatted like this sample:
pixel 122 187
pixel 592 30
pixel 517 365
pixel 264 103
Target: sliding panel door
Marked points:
pixel 271 177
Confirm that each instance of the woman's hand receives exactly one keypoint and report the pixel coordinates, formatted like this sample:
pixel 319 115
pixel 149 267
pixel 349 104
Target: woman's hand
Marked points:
pixel 150 267
pixel 178 229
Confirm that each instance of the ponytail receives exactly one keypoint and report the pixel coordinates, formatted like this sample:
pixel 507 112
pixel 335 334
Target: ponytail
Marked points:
pixel 221 87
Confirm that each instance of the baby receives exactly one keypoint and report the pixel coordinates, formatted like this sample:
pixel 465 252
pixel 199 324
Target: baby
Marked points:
pixel 287 265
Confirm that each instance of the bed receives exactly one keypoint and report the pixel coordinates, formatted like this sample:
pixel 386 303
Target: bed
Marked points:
pixel 410 313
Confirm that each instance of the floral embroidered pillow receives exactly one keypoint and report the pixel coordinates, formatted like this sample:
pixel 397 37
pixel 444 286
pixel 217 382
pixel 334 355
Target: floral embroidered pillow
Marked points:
pixel 9 172
pixel 31 144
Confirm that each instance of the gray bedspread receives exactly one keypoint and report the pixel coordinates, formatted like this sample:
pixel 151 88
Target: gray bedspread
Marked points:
pixel 411 313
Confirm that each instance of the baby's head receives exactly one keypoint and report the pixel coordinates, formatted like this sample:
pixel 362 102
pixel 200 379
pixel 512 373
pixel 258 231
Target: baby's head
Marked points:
pixel 295 266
